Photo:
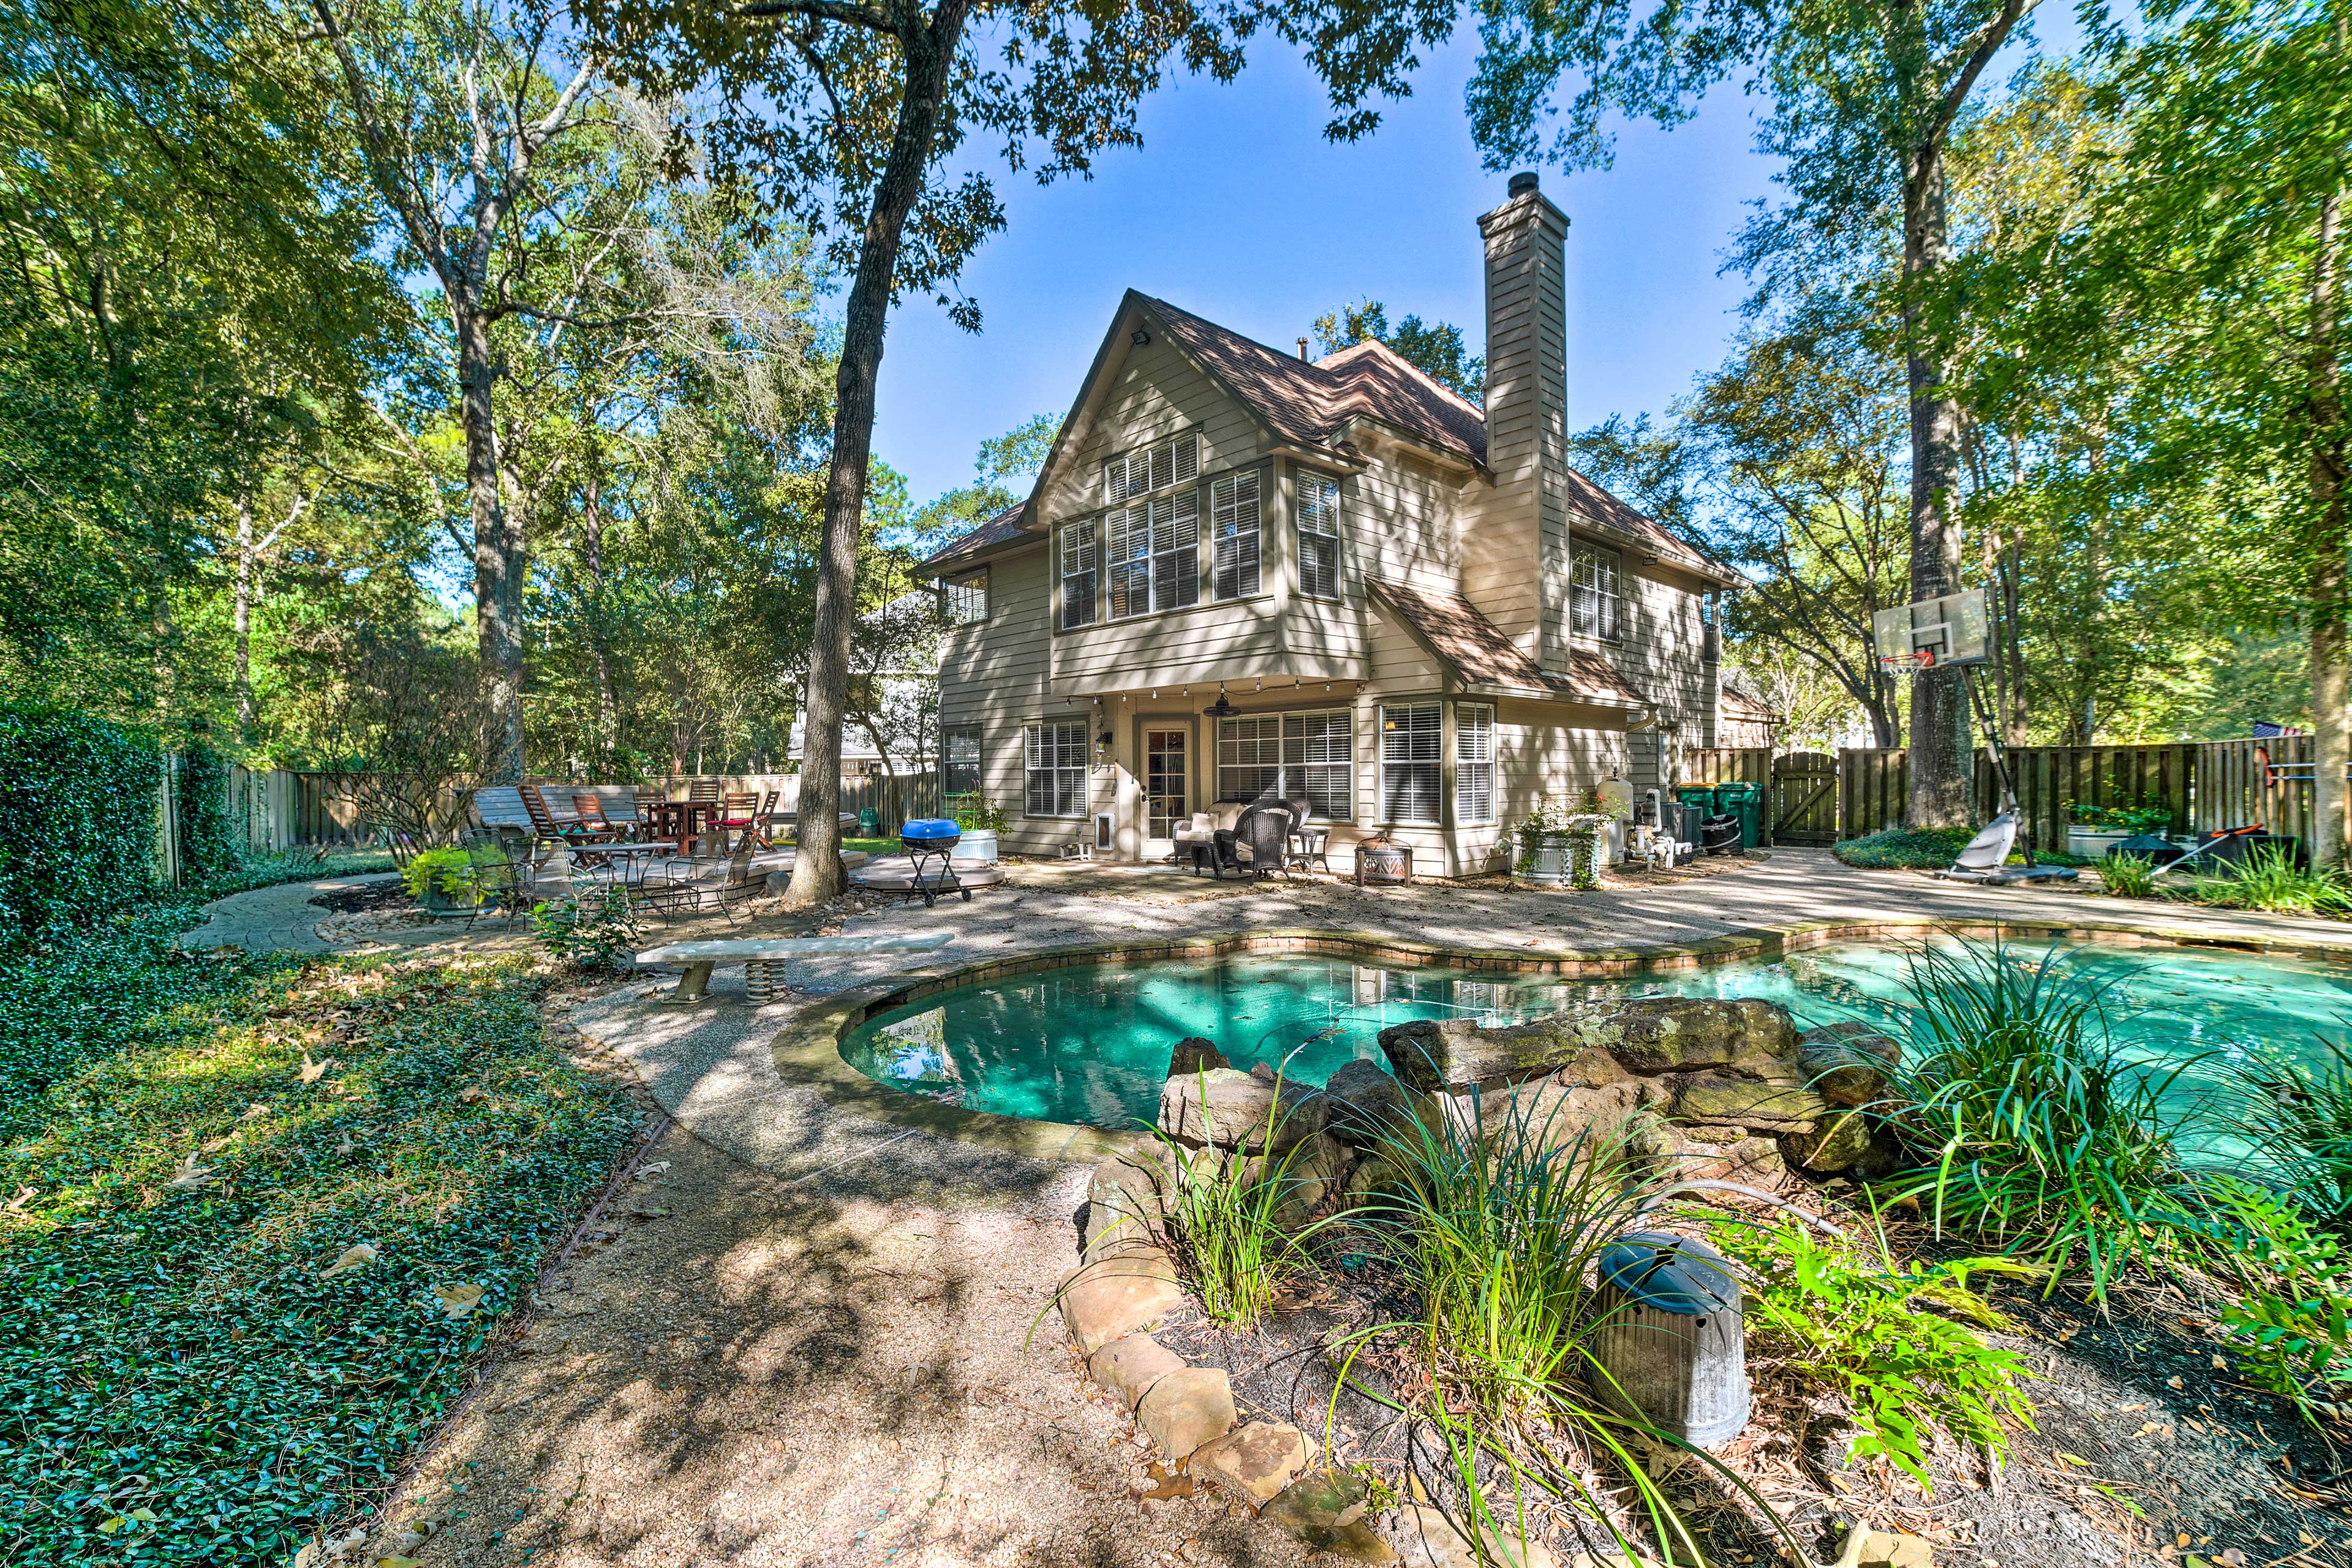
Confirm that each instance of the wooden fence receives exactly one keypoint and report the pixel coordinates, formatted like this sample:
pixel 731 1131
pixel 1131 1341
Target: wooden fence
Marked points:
pixel 2206 785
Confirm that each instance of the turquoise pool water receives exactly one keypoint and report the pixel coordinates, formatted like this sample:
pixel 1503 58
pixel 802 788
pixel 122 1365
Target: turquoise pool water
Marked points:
pixel 1090 1044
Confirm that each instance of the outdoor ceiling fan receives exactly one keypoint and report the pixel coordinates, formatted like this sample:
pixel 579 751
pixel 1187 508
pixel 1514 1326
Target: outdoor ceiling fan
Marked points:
pixel 1220 709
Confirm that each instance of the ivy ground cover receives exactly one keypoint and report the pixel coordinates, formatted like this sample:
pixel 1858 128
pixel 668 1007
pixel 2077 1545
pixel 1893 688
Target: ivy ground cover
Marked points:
pixel 256 1217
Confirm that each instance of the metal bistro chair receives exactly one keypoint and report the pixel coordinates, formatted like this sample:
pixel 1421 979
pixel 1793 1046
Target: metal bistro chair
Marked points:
pixel 498 861
pixel 686 881
pixel 739 814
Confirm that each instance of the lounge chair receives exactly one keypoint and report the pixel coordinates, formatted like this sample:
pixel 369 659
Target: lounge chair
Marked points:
pixel 1986 860
pixel 1258 844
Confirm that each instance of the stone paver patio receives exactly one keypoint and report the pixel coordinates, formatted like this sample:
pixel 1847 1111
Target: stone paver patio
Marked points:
pixel 820 1351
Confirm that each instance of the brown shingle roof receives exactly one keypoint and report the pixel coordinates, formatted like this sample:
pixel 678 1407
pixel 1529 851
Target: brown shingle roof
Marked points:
pixel 1004 525
pixel 1312 404
pixel 1480 654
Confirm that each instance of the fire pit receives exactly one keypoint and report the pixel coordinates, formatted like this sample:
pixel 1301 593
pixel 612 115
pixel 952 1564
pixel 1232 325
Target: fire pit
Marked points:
pixel 1381 859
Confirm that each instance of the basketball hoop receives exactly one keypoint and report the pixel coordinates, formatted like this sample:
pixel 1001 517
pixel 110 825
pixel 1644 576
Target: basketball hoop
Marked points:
pixel 1898 663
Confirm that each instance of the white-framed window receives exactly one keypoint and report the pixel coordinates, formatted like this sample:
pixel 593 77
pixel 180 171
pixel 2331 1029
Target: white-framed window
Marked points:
pixel 1056 758
pixel 1474 763
pixel 1594 604
pixel 1319 536
pixel 966 598
pixel 1175 461
pixel 1292 755
pixel 1411 738
pixel 1080 559
pixel 960 759
pixel 1234 509
pixel 1152 549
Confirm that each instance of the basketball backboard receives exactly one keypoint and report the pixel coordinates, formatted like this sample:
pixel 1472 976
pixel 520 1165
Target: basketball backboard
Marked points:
pixel 1934 632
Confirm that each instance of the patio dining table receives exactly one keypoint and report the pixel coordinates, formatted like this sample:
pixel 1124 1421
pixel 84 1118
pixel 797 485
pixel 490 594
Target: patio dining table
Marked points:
pixel 680 821
pixel 629 859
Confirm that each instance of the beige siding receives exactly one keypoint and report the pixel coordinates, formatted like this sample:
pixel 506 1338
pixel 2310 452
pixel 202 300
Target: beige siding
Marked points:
pixel 1155 393
pixel 994 674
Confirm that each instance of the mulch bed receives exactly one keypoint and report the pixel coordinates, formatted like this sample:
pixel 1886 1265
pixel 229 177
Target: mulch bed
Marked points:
pixel 2141 1449
pixel 370 899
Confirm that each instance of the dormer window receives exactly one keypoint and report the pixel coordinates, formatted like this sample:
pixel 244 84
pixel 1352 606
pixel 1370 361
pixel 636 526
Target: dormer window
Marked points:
pixel 1176 462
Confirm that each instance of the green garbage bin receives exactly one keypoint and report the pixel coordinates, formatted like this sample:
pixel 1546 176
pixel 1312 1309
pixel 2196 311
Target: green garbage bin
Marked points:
pixel 1698 798
pixel 869 823
pixel 1745 801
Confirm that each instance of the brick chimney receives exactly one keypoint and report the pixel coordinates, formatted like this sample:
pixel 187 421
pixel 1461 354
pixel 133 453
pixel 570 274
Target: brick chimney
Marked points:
pixel 1527 406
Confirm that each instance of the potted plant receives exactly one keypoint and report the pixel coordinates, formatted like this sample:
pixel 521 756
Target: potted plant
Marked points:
pixel 2093 830
pixel 442 879
pixel 1559 844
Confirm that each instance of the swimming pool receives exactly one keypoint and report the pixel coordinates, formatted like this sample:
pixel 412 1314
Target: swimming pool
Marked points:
pixel 1089 1044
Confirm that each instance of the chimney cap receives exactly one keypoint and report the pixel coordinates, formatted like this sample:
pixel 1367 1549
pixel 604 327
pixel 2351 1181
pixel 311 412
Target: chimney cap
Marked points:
pixel 1522 183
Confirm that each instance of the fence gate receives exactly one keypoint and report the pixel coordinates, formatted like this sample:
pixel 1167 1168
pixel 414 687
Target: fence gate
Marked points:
pixel 1805 798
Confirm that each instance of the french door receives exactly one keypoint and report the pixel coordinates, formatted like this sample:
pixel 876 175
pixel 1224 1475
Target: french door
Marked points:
pixel 1166 788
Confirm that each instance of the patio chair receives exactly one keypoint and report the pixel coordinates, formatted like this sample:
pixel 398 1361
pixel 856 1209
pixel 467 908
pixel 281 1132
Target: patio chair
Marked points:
pixel 702 789
pixel 694 881
pixel 1258 846
pixel 543 821
pixel 1985 859
pixel 590 808
pixel 498 862
pixel 1196 837
pixel 739 814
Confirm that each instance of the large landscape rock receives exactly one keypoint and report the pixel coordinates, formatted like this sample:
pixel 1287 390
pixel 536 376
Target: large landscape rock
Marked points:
pixel 1120 1295
pixel 1186 1409
pixel 1433 1541
pixel 1192 1054
pixel 1235 1110
pixel 1836 1141
pixel 1364 1102
pixel 1130 1367
pixel 1724 1101
pixel 1641 1034
pixel 1124 1207
pixel 1849 1063
pixel 1257 1461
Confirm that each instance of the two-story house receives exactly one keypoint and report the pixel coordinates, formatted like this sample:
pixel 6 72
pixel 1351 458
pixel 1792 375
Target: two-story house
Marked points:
pixel 1239 570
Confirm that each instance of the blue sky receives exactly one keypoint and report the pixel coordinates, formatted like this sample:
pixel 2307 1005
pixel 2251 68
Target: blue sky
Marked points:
pixel 1236 208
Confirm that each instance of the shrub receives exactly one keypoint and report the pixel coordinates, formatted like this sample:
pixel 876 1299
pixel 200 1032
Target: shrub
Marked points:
pixel 976 811
pixel 2269 879
pixel 2148 814
pixel 598 933
pixel 449 871
pixel 77 835
pixel 1905 848
pixel 2039 1134
pixel 2292 1325
pixel 1882 1336
pixel 212 839
pixel 2127 876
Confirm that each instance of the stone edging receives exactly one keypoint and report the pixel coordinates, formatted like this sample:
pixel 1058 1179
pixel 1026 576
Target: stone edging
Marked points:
pixel 807 1049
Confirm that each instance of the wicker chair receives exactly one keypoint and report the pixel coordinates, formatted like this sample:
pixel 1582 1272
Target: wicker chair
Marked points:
pixel 1258 844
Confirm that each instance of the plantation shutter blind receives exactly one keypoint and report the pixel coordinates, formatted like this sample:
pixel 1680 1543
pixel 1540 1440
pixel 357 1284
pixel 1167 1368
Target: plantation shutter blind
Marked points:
pixel 1176 550
pixel 1410 738
pixel 1079 574
pixel 1234 508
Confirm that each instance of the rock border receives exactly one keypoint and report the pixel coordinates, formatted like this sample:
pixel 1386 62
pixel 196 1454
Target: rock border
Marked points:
pixel 807 1049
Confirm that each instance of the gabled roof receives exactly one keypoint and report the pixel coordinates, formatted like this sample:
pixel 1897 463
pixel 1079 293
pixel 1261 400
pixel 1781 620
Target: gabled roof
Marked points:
pixel 1740 699
pixel 1451 628
pixel 1005 525
pixel 1313 403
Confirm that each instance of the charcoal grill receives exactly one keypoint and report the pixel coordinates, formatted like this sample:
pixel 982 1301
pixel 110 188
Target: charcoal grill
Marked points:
pixel 928 841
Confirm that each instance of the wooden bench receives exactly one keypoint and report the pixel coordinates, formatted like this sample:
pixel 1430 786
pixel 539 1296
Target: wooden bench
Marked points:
pixel 760 953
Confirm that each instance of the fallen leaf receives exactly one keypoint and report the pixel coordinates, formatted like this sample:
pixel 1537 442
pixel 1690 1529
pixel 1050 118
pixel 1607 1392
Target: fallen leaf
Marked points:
pixel 24 1196
pixel 647 1173
pixel 358 1257
pixel 147 1515
pixel 258 1107
pixel 457 1301
pixel 2064 1458
pixel 311 1071
pixel 214 1145
pixel 346 1146
pixel 306 1557
pixel 112 1525
pixel 190 1173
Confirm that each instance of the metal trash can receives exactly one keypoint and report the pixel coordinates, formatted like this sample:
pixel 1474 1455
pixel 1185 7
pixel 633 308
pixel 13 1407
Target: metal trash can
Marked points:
pixel 1671 1334
pixel 1746 802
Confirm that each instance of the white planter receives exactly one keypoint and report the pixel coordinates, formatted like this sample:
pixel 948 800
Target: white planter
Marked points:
pixel 976 847
pixel 2092 843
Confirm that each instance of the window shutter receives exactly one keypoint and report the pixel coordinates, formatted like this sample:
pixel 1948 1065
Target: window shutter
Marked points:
pixel 1188 459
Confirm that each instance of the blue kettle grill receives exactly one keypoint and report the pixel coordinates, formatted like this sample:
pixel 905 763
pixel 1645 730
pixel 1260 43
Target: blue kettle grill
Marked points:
pixel 925 840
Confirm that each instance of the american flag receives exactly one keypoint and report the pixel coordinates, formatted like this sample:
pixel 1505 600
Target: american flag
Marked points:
pixel 2266 730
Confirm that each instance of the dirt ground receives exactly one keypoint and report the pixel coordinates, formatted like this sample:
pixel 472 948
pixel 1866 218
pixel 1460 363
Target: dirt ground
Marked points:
pixel 749 1372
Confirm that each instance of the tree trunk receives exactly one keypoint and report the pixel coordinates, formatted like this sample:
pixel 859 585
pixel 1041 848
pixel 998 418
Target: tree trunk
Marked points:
pixel 1942 760
pixel 930 53
pixel 242 614
pixel 608 711
pixel 498 556
pixel 2331 676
